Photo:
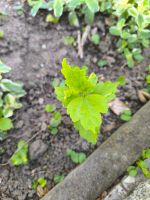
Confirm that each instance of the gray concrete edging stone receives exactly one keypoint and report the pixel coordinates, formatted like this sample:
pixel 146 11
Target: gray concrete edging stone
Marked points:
pixel 108 162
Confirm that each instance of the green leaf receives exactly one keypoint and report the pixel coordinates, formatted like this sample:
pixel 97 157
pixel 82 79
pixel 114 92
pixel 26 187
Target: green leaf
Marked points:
pixel 58 178
pixel 42 182
pixel 132 171
pixel 58 8
pixel 88 16
pixel 73 4
pixel 36 7
pixel 140 21
pixel 73 19
pixel 77 158
pixel 52 19
pixel 53 131
pixel 92 5
pixel 95 39
pixel 13 87
pixel 106 89
pixel 126 115
pixel 4 68
pixel 133 12
pixel 20 156
pixel 129 57
pixel 146 154
pixel 114 30
pixel 80 107
pixel 5 124
pixel 148 79
pixel 121 80
pixel 69 40
pixel 39 182
pixel 55 120
pixel 102 63
pixel 50 108
pixel 85 99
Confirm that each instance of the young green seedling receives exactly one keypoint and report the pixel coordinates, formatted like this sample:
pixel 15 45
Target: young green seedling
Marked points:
pixel 58 178
pixel 142 164
pixel 95 39
pixel 126 115
pixel 10 94
pixel 102 63
pixel 20 157
pixel 77 158
pixel 85 99
pixel 39 182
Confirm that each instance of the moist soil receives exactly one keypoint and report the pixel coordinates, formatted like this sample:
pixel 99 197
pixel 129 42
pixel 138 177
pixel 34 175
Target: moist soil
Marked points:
pixel 34 49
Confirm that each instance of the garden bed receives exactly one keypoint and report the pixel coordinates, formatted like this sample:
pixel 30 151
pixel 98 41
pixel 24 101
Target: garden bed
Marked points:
pixel 34 50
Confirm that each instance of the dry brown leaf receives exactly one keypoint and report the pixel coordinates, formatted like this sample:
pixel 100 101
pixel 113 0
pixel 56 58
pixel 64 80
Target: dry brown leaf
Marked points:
pixel 109 127
pixel 118 106
pixel 41 192
pixel 143 96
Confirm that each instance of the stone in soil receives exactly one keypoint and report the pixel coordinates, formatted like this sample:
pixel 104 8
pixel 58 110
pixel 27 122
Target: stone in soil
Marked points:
pixel 37 149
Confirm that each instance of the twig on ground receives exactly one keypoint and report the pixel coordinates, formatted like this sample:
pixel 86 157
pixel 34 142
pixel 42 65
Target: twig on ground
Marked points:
pixel 82 40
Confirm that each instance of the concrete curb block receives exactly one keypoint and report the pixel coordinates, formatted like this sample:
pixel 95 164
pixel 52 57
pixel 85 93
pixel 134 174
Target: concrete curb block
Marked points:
pixel 108 162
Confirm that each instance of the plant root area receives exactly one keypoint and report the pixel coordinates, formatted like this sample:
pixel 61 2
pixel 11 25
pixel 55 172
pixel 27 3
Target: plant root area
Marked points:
pixel 34 50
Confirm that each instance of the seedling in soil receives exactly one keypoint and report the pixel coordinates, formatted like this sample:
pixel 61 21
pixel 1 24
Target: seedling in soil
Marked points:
pixel 54 123
pixel 85 98
pixel 76 158
pixel 102 63
pixel 58 178
pixel 148 79
pixel 51 19
pixel 20 157
pixel 42 182
pixel 126 115
pixel 95 39
pixel 142 164
pixel 10 94
pixel 50 108
pixel 132 171
pixel 1 34
pixel 69 40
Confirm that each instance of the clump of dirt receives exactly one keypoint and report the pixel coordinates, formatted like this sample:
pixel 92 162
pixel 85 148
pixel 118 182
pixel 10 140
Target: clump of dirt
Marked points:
pixel 34 50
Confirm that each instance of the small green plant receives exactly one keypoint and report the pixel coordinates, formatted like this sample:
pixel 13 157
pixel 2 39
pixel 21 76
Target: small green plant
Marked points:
pixel 132 27
pixel 55 120
pixel 10 93
pixel 50 108
pixel 126 115
pixel 39 182
pixel 148 79
pixel 133 170
pixel 76 158
pixel 95 39
pixel 20 157
pixel 58 178
pixel 69 40
pixel 1 34
pixel 85 98
pixel 130 20
pixel 102 63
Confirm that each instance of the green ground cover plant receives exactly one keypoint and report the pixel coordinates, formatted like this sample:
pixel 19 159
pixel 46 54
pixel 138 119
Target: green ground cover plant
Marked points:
pixel 131 20
pixel 42 182
pixel 142 164
pixel 20 157
pixel 10 93
pixel 85 99
pixel 76 157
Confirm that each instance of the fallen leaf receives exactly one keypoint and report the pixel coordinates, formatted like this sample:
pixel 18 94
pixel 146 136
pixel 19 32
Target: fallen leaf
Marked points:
pixel 118 106
pixel 109 127
pixel 41 192
pixel 143 96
